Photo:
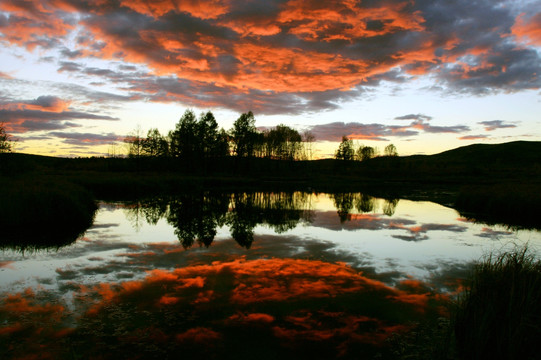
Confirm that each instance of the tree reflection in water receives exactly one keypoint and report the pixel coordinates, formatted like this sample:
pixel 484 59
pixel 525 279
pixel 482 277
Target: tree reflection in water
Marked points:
pixel 196 217
pixel 363 203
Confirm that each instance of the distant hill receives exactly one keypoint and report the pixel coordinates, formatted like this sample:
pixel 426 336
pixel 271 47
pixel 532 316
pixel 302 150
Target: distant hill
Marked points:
pixel 512 153
pixel 490 162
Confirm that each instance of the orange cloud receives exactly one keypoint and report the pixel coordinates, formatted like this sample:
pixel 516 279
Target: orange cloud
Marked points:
pixel 42 103
pixel 208 9
pixel 346 20
pixel 33 23
pixel 528 28
pixel 264 50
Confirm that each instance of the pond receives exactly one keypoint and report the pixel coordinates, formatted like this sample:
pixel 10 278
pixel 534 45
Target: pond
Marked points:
pixel 226 275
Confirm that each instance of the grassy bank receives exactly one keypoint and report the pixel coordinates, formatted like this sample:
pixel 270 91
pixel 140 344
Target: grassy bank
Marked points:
pixel 43 212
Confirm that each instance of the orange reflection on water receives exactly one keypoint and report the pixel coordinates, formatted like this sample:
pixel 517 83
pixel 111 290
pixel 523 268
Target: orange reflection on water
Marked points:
pixel 284 303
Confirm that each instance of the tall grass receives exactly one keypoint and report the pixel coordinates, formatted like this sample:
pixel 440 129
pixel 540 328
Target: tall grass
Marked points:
pixel 498 316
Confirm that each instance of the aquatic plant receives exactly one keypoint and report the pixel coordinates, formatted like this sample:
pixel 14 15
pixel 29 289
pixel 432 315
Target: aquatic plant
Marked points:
pixel 498 316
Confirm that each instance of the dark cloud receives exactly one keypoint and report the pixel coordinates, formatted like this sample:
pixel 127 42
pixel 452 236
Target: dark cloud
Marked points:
pixel 34 120
pixel 29 125
pixel 277 57
pixel 86 139
pixel 378 132
pixel 47 101
pixel 72 54
pixel 441 129
pixel 69 66
pixel 418 117
pixel 496 124
pixel 43 113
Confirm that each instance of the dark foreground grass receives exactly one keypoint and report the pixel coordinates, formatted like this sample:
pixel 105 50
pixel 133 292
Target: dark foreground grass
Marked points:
pixel 498 315
pixel 43 213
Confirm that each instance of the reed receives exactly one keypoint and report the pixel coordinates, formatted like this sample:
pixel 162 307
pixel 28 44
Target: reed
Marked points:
pixel 498 314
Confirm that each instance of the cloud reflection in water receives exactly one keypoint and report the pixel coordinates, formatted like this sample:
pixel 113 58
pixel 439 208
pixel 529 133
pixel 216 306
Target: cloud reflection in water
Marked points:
pixel 294 305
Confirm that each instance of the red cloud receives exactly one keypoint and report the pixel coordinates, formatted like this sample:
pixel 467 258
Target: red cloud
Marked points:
pixel 276 47
pixel 346 20
pixel 528 28
pixel 207 9
pixel 42 103
pixel 33 23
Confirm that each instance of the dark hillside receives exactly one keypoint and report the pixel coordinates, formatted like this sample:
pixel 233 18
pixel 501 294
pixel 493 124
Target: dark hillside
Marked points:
pixel 510 154
pixel 478 163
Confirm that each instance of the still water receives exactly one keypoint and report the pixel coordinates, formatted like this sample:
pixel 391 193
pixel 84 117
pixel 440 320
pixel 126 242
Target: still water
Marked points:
pixel 225 275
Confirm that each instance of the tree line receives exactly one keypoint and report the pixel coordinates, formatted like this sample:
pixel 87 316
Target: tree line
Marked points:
pixel 199 138
pixel 348 151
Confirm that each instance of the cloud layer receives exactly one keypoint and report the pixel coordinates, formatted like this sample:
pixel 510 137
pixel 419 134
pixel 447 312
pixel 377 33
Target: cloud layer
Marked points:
pixel 282 56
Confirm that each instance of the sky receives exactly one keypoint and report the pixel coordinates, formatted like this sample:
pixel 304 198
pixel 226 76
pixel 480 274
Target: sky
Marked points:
pixel 77 76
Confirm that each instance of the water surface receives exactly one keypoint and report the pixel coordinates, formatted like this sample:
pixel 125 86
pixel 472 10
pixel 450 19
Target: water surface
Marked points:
pixel 224 274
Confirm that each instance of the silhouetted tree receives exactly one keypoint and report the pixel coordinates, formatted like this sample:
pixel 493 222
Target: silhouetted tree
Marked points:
pixel 365 152
pixel 212 142
pixel 135 141
pixel 345 150
pixel 184 139
pixel 282 142
pixel 155 144
pixel 5 142
pixel 244 135
pixel 222 145
pixel 308 139
pixel 390 150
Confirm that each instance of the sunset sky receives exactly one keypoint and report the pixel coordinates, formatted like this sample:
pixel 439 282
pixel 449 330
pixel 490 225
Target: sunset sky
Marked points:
pixel 76 76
